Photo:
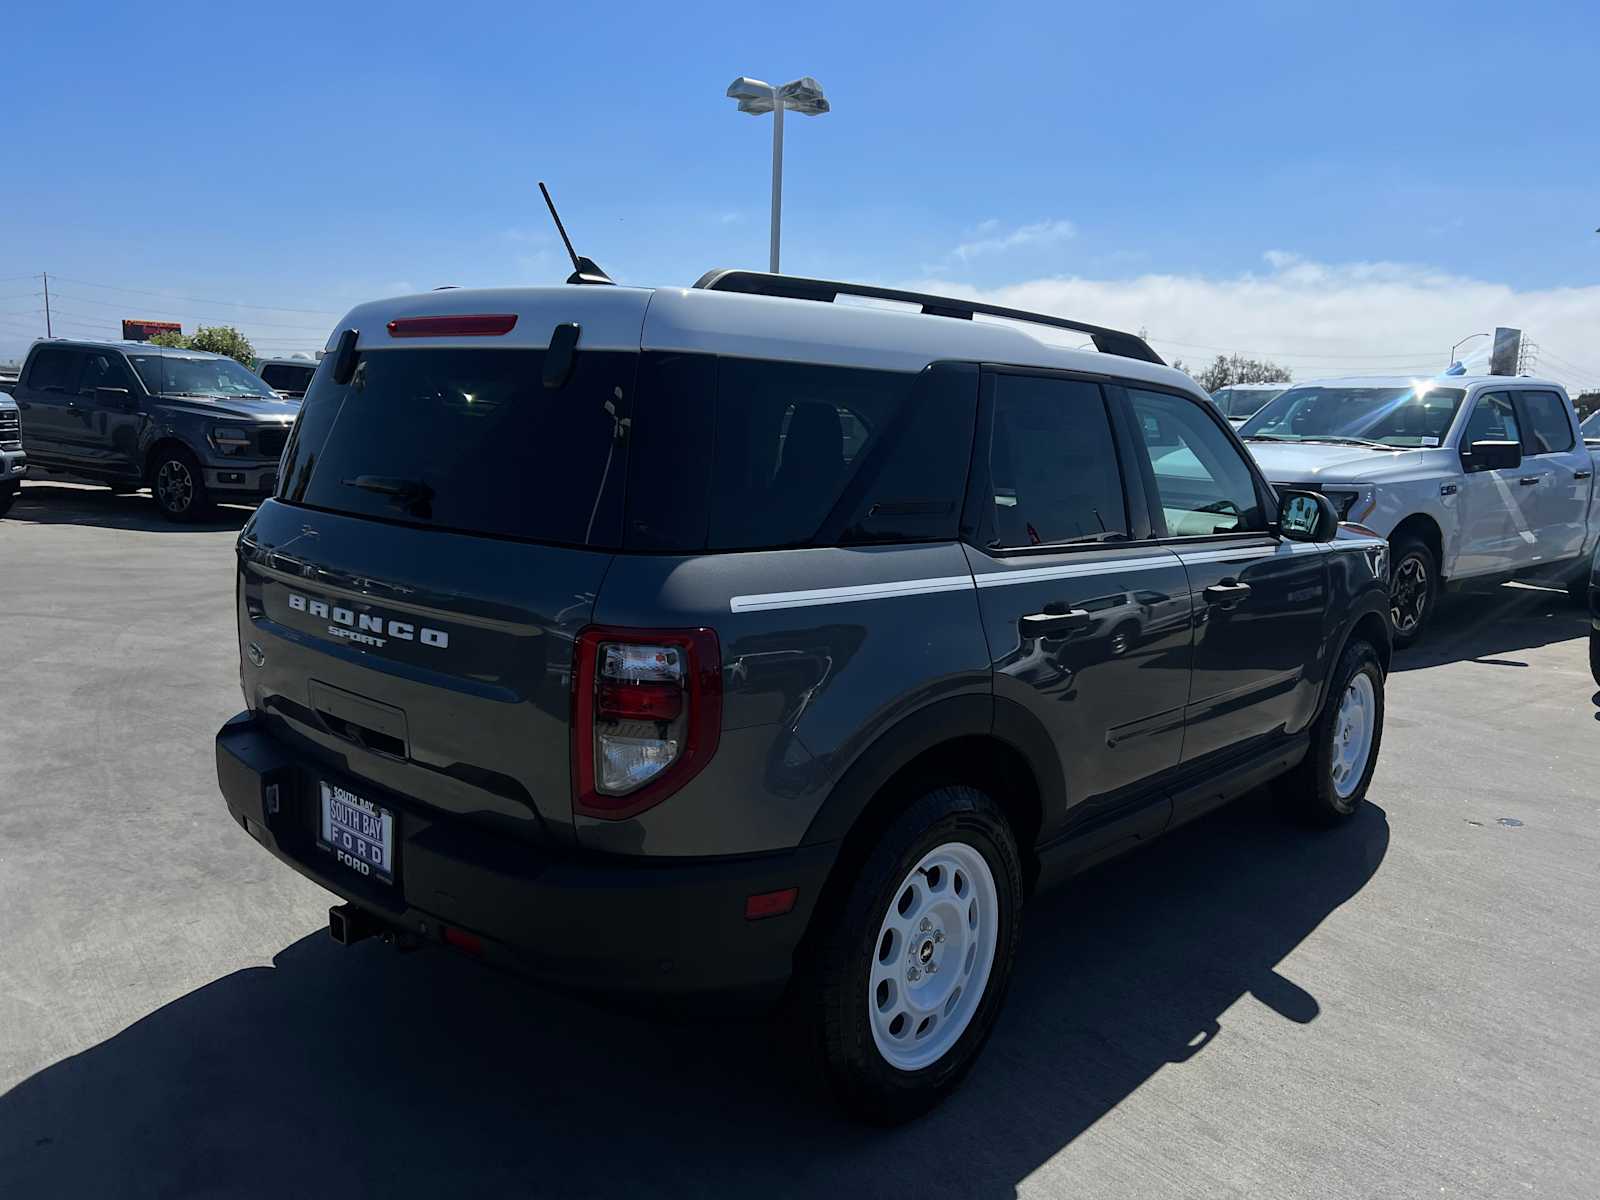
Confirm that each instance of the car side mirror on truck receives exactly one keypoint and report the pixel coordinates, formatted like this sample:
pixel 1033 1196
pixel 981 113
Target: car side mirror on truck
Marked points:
pixel 1307 517
pixel 1492 456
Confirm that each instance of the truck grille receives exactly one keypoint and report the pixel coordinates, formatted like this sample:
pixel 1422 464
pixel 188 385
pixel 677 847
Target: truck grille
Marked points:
pixel 10 430
pixel 271 442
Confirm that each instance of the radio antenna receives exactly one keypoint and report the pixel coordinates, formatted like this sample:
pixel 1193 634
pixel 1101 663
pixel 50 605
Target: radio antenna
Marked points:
pixel 584 270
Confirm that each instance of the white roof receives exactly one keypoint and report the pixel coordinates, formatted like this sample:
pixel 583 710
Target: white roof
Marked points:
pixel 741 325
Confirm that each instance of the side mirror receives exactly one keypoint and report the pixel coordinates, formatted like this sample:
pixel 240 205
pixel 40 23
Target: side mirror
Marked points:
pixel 1307 517
pixel 1493 456
pixel 114 397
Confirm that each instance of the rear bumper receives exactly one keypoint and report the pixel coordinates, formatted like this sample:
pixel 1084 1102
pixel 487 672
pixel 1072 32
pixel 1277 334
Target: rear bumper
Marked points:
pixel 664 927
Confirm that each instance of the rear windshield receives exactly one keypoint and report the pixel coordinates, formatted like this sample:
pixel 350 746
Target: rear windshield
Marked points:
pixel 173 375
pixel 288 377
pixel 468 440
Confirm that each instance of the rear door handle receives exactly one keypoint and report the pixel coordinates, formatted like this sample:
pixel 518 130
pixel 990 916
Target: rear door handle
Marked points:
pixel 1529 480
pixel 1049 624
pixel 1226 594
pixel 1582 474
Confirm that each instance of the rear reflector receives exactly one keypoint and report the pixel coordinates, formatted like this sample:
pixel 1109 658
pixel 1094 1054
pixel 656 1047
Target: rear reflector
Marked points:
pixel 640 701
pixel 770 904
pixel 479 325
pixel 462 940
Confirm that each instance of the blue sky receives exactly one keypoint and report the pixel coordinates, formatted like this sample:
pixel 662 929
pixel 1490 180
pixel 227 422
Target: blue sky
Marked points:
pixel 1146 159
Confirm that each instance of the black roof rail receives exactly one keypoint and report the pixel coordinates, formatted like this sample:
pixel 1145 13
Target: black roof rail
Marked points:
pixel 796 287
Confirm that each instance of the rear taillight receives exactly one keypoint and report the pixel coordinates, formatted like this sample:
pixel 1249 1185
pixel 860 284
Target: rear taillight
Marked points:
pixel 646 716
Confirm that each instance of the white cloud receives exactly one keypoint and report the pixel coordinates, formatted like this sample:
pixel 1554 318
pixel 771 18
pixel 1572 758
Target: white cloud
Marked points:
pixel 1321 319
pixel 990 240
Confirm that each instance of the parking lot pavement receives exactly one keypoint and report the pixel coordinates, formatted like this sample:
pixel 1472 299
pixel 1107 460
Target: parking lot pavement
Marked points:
pixel 1403 1007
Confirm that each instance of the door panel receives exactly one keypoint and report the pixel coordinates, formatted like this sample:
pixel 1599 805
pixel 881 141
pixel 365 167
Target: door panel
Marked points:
pixel 1258 627
pixel 1090 636
pixel 1109 685
pixel 1498 512
pixel 46 400
pixel 1558 503
pixel 1257 601
pixel 108 432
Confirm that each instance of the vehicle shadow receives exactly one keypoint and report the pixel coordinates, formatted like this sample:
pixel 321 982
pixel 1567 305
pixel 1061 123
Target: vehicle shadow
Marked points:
pixel 1491 625
pixel 78 504
pixel 366 1073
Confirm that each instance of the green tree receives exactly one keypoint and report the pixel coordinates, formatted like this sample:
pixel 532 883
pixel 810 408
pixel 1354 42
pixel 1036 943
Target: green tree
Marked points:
pixel 171 339
pixel 1226 370
pixel 224 339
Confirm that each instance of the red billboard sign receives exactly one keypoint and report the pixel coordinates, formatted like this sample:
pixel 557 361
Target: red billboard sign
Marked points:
pixel 143 331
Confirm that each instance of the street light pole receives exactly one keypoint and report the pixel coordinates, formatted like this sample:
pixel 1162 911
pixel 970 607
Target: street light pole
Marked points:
pixel 777 179
pixel 1462 342
pixel 756 97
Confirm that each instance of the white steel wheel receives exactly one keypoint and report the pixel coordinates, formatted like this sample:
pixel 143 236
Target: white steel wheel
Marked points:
pixel 932 959
pixel 1353 727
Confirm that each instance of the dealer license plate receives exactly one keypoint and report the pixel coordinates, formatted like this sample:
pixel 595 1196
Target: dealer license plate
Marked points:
pixel 359 832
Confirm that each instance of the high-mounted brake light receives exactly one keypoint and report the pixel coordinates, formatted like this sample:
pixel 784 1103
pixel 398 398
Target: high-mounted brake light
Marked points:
pixel 477 325
pixel 646 716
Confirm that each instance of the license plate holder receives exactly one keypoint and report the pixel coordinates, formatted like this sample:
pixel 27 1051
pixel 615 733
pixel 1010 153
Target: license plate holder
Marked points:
pixel 359 833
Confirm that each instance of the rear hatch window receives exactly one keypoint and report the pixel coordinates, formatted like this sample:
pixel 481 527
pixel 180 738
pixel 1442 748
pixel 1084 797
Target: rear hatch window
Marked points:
pixel 469 440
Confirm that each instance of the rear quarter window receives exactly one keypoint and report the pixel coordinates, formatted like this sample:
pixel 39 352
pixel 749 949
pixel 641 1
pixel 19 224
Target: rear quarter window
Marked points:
pixel 744 454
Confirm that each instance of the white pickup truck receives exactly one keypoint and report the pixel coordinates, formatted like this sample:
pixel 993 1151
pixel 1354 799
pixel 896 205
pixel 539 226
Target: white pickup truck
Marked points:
pixel 1471 478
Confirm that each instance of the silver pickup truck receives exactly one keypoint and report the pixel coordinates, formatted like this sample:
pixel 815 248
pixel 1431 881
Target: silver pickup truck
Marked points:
pixel 1471 478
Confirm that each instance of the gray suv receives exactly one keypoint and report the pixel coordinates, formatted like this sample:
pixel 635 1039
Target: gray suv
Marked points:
pixel 192 427
pixel 13 462
pixel 725 637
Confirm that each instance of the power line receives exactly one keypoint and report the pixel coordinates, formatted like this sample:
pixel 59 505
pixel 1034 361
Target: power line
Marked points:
pixel 107 287
pixel 160 312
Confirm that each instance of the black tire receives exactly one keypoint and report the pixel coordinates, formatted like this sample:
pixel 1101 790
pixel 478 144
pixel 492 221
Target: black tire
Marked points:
pixel 1413 590
pixel 1594 655
pixel 8 497
pixel 1311 789
pixel 178 485
pixel 834 999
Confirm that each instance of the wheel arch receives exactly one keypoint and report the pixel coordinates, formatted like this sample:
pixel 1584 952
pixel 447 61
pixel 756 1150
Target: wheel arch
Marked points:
pixel 163 445
pixel 981 741
pixel 1422 527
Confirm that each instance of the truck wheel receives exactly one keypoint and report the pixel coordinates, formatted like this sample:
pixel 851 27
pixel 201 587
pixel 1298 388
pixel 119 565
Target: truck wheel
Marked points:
pixel 179 486
pixel 910 976
pixel 1331 781
pixel 1594 655
pixel 1413 590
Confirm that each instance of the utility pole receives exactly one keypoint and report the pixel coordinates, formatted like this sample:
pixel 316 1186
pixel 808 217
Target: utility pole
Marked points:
pixel 48 332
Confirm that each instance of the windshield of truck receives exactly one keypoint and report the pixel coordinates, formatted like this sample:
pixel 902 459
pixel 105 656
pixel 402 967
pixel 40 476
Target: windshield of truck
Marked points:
pixel 469 440
pixel 1397 417
pixel 1591 425
pixel 174 375
pixel 1241 402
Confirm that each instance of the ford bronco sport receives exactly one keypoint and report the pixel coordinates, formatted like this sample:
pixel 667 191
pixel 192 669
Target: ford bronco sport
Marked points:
pixel 726 637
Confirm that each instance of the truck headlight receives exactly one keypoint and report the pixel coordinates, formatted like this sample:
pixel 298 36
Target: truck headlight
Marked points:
pixel 230 439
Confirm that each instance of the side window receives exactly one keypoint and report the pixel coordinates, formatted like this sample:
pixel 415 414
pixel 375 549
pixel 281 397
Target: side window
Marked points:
pixel 745 454
pixel 1053 464
pixel 1548 431
pixel 53 370
pixel 273 375
pixel 101 370
pixel 1494 419
pixel 1204 483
